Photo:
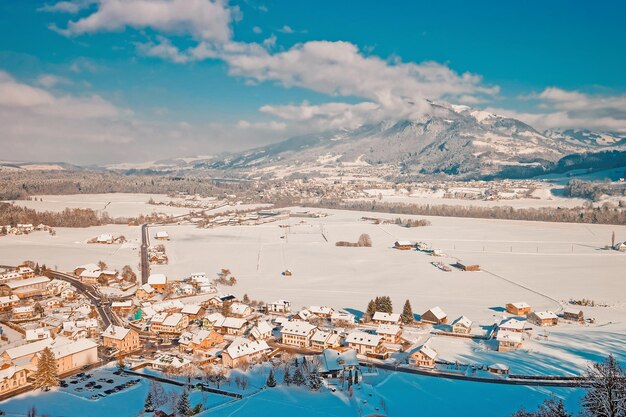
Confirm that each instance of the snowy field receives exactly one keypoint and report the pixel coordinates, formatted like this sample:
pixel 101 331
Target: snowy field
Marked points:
pixel 69 248
pixel 115 204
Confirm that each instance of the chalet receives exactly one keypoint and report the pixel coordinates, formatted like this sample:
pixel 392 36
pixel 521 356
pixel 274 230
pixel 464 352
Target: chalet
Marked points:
pixel 146 291
pixel 199 342
pixel 435 315
pixel 498 369
pixel 280 306
pixel 105 238
pixel 23 313
pixel 244 350
pixel 87 267
pixel 543 318
pixel 168 324
pixel 36 334
pixel 240 310
pixel 424 357
pixel 193 311
pixel 321 311
pixel 81 329
pixel 122 307
pixel 121 339
pixel 158 282
pixel 322 339
pixel 297 333
pixel 338 362
pixel 391 333
pixel 573 314
pixel 212 320
pixel 518 309
pixel 386 318
pixel 462 325
pixel 25 272
pixel 12 377
pixel 198 277
pixel 508 340
pixel 233 326
pixel 304 315
pixel 261 331
pixel 9 276
pixel 90 277
pixel 52 303
pixel 340 317
pixel 162 235
pixel 158 258
pixel 68 293
pixel 365 343
pixel 467 267
pixel 8 302
pixel 403 245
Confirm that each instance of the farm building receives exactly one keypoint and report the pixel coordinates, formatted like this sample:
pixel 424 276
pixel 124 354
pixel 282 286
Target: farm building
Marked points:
pixel 435 315
pixel 462 325
pixel 498 369
pixel 162 235
pixel 403 245
pixel 518 309
pixel 386 318
pixel 508 340
pixel 573 314
pixel 468 267
pixel 543 318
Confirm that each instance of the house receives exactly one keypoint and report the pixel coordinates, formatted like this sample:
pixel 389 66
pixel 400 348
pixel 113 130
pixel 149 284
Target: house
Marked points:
pixel 338 362
pixel 321 311
pixel 162 235
pixel 304 315
pixel 280 306
pixel 340 318
pixel 573 314
pixel 166 361
pixel 158 282
pixel 72 355
pixel 193 311
pixel 543 318
pixel 391 333
pixel 424 357
pixel 498 369
pixel 462 325
pixel 122 307
pixel 512 325
pixel 36 334
pixel 87 267
pixel 199 342
pixel 518 309
pixel 213 320
pixel 8 302
pixel 403 245
pixel 68 293
pixel 508 340
pixel 12 377
pixel 297 333
pixel 105 238
pixel 169 324
pixel 81 329
pixel 25 272
pixel 120 338
pixel 386 318
pixel 261 331
pixel 435 315
pixel 365 343
pixel 23 313
pixel 240 310
pixel 322 339
pixel 233 326
pixel 145 292
pixel 467 267
pixel 90 277
pixel 244 350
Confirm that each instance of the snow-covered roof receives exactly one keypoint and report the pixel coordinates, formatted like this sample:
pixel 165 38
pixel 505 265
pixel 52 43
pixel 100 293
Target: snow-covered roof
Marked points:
pixel 172 319
pixel 507 336
pixel 545 315
pixel 162 233
pixel 262 328
pixel 239 308
pixel 115 332
pixel 304 314
pixel 192 309
pixel 298 328
pixel 388 329
pixel 520 304
pixel 233 323
pixel 157 279
pixel 337 359
pixel 122 304
pixel 90 273
pixel 342 315
pixel 403 243
pixel 147 288
pixel 320 336
pixel 380 316
pixel 243 347
pixel 569 310
pixel 513 324
pixel 89 267
pixel 362 338
pixel 23 309
pixel 26 282
pixel 428 351
pixel 9 371
pixel 9 299
pixel 216 318
pixel 438 312
pixel 323 310
pixel 28 349
pixel 105 237
pixel 37 334
pixel 462 321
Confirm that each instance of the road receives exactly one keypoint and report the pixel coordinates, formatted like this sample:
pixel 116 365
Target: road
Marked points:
pixel 145 263
pixel 104 310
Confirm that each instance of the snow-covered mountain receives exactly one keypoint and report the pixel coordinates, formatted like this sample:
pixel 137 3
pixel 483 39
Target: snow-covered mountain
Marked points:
pixel 449 139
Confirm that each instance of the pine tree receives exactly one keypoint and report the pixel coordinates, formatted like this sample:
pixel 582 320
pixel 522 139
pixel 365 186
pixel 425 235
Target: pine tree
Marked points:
pixel 305 365
pixel 287 378
pixel 371 310
pixel 315 382
pixel 606 392
pixel 183 408
pixel 149 405
pixel 407 313
pixel 271 381
pixel 298 378
pixel 246 299
pixel 552 407
pixel 46 375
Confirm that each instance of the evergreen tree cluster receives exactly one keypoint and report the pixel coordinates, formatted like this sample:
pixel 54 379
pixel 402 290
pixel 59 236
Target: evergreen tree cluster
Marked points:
pixel 46 375
pixel 382 304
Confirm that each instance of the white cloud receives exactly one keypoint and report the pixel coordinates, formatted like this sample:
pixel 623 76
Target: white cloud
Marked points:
pixel 257 30
pixel 71 7
pixel 51 80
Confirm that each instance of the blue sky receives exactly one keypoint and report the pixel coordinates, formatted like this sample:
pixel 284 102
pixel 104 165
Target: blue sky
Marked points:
pixel 179 78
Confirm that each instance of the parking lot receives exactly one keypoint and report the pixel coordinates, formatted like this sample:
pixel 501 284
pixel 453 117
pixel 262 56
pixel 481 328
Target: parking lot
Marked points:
pixel 98 384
